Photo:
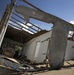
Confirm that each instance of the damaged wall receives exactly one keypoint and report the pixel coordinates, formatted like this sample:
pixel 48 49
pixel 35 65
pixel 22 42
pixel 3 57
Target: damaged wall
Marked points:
pixel 30 47
pixel 59 33
pixel 9 47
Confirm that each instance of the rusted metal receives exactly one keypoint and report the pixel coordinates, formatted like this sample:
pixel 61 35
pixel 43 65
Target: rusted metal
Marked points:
pixel 14 26
pixel 29 22
pixel 24 24
pixel 21 26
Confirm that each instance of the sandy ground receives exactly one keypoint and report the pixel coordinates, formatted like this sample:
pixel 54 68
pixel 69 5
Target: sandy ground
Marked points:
pixel 67 70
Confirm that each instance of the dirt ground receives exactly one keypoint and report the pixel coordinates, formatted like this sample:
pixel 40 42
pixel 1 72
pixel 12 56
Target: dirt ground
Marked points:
pixel 68 69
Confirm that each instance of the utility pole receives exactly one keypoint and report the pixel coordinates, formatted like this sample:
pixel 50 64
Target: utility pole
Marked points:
pixel 5 18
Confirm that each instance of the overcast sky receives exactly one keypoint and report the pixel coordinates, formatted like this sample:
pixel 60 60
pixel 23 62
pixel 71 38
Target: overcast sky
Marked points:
pixel 61 8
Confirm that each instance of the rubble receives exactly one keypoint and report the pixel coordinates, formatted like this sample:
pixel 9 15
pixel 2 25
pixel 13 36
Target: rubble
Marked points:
pixel 9 49
pixel 11 65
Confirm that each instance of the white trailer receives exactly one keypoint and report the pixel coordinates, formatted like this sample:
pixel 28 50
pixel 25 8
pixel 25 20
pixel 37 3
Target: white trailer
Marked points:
pixel 37 48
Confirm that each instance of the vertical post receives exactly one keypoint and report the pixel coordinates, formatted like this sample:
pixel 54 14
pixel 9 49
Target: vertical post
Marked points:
pixel 5 18
pixel 57 46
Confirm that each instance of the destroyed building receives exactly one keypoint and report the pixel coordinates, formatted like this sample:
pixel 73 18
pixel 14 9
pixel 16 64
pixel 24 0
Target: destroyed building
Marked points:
pixel 26 40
